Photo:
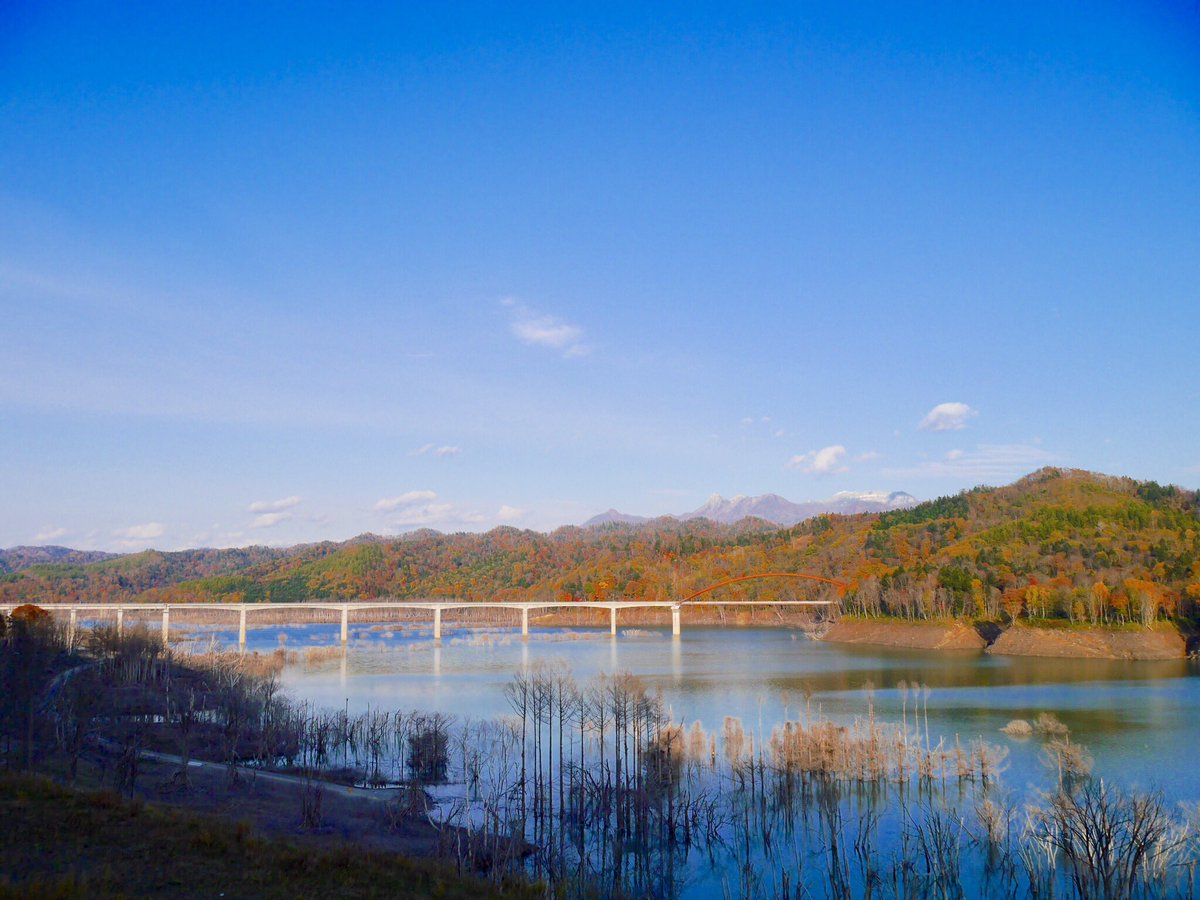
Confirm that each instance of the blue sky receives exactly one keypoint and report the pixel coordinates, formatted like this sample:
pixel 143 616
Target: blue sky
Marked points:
pixel 291 273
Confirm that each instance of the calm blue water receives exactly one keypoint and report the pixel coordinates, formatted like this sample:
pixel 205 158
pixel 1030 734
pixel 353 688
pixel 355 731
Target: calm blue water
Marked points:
pixel 1136 718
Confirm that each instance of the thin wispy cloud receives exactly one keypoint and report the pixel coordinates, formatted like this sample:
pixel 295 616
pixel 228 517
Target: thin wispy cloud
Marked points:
pixel 540 330
pixel 274 506
pixel 868 456
pixel 136 536
pixel 987 462
pixel 270 520
pixel 947 417
pixel 421 509
pixel 49 534
pixel 388 504
pixel 146 532
pixel 442 452
pixel 826 461
pixel 510 513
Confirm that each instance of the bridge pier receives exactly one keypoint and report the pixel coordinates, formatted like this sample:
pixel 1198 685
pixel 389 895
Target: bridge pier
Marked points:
pixel 242 628
pixel 525 622
pixel 437 624
pixel 120 622
pixel 71 629
pixel 612 621
pixel 345 624
pixel 166 627
pixel 675 621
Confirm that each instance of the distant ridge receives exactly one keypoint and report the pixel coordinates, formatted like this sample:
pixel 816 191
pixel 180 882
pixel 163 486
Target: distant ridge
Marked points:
pixel 16 558
pixel 773 508
pixel 612 517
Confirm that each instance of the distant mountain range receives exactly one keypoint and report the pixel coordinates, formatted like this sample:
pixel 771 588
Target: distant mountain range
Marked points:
pixel 773 508
pixel 16 558
pixel 1055 527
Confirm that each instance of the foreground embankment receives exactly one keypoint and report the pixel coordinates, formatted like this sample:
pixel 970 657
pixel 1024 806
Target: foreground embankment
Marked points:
pixel 1071 642
pixel 57 841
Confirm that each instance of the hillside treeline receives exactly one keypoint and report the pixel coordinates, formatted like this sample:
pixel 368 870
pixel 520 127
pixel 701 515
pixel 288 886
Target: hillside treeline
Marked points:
pixel 1056 544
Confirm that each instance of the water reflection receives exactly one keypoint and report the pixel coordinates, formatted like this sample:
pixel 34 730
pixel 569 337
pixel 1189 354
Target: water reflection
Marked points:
pixel 1136 718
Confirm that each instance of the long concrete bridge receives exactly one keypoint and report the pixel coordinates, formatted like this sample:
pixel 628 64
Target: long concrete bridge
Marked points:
pixel 362 608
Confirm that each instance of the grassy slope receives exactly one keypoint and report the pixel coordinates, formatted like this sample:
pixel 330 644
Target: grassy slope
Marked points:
pixel 55 842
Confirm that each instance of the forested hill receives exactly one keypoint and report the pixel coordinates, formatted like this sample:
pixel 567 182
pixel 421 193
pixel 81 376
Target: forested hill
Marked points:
pixel 1056 543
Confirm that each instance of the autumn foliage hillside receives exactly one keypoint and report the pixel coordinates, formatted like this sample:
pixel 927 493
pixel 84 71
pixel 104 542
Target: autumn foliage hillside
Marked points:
pixel 1058 543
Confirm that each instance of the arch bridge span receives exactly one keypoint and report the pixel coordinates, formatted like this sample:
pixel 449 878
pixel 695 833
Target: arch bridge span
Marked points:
pixel 437 607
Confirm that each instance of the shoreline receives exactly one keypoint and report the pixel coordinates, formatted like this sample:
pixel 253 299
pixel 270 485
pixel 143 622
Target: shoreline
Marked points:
pixel 1162 642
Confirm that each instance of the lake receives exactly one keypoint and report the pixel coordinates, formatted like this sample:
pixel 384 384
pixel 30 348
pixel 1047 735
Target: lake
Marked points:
pixel 1136 718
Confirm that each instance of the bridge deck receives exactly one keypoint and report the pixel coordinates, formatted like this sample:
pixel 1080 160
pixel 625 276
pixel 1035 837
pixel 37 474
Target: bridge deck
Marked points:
pixel 425 605
pixel 437 607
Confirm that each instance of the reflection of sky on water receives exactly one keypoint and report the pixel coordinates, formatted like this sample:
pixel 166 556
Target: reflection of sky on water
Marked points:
pixel 1136 718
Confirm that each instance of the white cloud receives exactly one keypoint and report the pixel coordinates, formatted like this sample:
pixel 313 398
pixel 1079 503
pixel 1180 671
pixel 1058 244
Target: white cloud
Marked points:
pixel 825 461
pixel 426 514
pixel 987 462
pixel 389 504
pixel 868 456
pixel 139 535
pixel 269 520
pixel 546 331
pixel 435 450
pixel 947 417
pixel 537 330
pixel 417 509
pixel 274 506
pixel 508 513
pixel 49 534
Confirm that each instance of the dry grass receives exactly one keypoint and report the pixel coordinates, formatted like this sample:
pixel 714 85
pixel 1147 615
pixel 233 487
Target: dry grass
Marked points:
pixel 256 665
pixel 314 656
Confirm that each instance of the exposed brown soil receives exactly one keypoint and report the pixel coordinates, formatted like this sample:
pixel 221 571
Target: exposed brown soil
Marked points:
pixel 1091 643
pixel 912 635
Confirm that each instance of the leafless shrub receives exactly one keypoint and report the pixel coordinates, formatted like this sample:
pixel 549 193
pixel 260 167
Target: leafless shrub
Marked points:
pixel 1049 723
pixel 1072 761
pixel 1018 728
pixel 312 792
pixel 1110 844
